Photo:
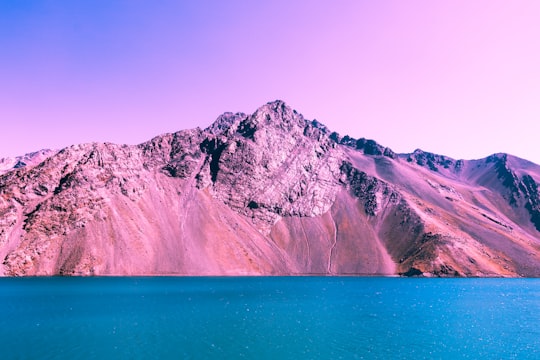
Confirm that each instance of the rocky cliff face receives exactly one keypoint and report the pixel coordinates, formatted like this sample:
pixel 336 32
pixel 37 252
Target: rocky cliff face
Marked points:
pixel 267 193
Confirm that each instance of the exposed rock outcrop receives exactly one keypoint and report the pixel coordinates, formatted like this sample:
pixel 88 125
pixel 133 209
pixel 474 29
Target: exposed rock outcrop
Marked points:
pixel 433 161
pixel 267 193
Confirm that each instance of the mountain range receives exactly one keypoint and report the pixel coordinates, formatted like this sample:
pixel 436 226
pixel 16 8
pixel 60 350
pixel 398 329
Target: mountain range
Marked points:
pixel 270 193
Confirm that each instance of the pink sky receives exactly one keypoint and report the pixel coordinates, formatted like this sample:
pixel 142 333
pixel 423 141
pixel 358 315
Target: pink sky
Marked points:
pixel 459 78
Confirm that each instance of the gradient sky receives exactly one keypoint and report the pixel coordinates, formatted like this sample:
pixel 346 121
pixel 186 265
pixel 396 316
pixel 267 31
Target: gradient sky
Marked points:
pixel 459 78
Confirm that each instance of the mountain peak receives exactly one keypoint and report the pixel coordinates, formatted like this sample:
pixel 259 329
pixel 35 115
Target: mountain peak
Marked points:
pixel 275 106
pixel 225 121
pixel 278 114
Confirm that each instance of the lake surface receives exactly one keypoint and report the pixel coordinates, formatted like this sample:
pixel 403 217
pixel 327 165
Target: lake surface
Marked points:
pixel 269 318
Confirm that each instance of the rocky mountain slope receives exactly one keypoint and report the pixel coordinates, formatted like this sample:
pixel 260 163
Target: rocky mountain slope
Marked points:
pixel 269 193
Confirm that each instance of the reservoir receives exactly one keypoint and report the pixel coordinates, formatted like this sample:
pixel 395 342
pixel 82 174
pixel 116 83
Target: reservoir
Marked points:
pixel 269 318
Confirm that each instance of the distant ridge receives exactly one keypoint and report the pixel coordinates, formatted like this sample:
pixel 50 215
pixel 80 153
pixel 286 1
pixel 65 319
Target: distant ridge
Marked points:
pixel 30 159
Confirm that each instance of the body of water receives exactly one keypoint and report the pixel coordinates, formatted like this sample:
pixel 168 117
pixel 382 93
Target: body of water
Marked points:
pixel 269 318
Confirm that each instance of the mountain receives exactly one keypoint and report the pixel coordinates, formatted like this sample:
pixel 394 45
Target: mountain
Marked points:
pixel 269 193
pixel 31 159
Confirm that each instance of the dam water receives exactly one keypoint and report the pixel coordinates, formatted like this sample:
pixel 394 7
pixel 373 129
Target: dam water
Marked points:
pixel 269 318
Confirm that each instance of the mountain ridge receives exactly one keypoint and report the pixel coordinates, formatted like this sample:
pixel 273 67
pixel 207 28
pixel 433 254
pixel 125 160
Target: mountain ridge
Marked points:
pixel 270 193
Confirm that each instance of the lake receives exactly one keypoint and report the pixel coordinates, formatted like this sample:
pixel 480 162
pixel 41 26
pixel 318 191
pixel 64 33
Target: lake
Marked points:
pixel 269 318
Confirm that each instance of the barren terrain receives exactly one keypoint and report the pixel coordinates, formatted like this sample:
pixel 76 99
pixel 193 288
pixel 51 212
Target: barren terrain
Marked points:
pixel 269 193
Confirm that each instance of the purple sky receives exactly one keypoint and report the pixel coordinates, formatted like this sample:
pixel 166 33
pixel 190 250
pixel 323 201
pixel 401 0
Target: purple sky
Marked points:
pixel 459 78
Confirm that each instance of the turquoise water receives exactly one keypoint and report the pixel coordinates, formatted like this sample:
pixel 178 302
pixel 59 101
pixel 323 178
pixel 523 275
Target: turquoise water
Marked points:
pixel 269 318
